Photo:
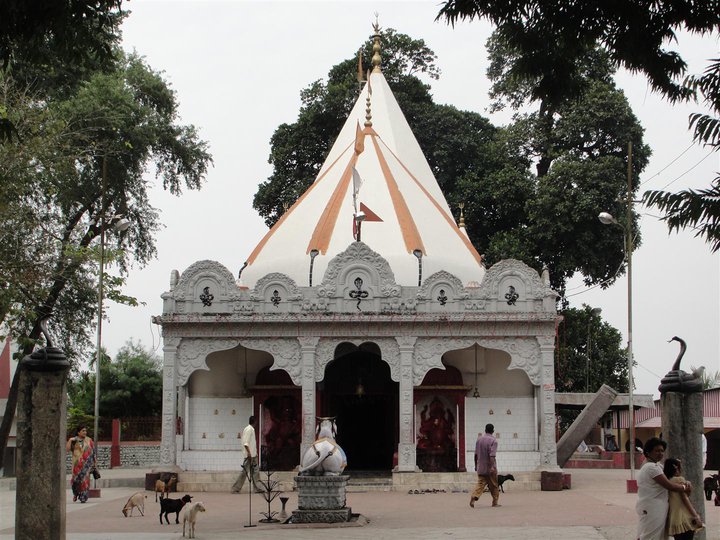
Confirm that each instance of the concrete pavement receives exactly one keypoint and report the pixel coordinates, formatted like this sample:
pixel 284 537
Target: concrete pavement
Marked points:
pixel 596 508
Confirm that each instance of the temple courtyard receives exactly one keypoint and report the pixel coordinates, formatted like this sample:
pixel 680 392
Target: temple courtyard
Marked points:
pixel 596 508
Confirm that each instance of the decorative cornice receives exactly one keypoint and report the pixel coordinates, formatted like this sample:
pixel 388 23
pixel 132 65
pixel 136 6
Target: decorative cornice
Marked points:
pixel 183 290
pixel 489 288
pixel 358 252
pixel 441 277
pixel 269 280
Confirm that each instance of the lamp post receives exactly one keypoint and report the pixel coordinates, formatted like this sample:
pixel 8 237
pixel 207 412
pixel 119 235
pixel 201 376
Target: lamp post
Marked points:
pixel 119 224
pixel 593 311
pixel 607 219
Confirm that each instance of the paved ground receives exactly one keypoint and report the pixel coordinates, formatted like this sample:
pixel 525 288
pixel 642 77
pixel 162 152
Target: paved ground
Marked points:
pixel 596 508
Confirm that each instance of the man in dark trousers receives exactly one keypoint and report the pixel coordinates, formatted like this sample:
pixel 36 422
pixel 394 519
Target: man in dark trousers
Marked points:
pixel 485 450
pixel 250 463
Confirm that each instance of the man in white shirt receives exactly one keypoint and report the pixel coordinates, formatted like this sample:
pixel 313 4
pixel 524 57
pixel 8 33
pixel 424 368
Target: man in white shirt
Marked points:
pixel 250 463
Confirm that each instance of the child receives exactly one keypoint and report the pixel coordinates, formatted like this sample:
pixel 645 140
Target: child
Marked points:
pixel 683 519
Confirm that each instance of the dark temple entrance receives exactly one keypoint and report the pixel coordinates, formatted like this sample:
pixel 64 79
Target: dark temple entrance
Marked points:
pixel 358 390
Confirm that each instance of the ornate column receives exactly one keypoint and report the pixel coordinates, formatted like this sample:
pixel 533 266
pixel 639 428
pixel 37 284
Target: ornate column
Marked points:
pixel 406 446
pixel 548 447
pixel 307 360
pixel 168 447
pixel 182 413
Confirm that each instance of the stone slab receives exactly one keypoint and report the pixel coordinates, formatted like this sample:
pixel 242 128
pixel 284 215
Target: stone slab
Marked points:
pixel 322 516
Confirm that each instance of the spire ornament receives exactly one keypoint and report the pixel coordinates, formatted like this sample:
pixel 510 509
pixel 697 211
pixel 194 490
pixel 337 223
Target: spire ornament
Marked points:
pixel 461 224
pixel 368 109
pixel 376 59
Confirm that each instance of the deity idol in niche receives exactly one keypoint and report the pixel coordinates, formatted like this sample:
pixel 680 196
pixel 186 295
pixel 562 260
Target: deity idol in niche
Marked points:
pixel 437 424
pixel 281 436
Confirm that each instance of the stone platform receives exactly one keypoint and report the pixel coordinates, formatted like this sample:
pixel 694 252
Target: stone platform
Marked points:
pixel 321 499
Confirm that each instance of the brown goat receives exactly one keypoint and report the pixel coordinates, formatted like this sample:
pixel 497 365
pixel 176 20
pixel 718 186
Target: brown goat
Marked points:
pixel 165 487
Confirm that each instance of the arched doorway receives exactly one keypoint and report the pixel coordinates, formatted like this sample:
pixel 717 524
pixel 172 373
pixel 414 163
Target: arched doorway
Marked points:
pixel 358 390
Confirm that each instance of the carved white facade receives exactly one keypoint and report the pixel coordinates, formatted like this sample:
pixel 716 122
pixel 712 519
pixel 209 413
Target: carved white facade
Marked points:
pixel 511 311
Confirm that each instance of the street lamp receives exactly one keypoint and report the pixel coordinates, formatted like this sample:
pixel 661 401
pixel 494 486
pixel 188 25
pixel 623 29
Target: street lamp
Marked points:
pixel 608 219
pixel 593 311
pixel 118 223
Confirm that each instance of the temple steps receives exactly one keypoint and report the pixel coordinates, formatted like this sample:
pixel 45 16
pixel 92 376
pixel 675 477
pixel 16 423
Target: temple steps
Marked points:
pixel 222 481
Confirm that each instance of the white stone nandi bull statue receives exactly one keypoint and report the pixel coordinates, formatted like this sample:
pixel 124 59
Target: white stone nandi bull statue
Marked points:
pixel 324 457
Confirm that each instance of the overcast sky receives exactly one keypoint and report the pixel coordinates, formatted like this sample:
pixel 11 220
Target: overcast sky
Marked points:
pixel 238 68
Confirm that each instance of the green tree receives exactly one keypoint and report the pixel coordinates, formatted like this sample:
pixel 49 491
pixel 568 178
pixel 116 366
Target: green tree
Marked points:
pixel 578 144
pixel 79 160
pixel 575 371
pixel 130 385
pixel 698 209
pixel 118 122
pixel 53 44
pixel 589 353
pixel 551 39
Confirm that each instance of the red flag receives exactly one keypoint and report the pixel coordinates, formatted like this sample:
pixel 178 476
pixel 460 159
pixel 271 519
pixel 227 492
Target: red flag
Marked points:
pixel 369 214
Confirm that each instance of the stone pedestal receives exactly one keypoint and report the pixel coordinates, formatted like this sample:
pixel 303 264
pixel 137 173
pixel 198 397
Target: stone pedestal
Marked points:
pixel 682 425
pixel 40 495
pixel 321 499
pixel 551 481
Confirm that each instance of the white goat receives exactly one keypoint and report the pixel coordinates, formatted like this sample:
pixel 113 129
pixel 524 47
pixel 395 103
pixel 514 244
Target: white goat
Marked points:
pixel 136 500
pixel 190 517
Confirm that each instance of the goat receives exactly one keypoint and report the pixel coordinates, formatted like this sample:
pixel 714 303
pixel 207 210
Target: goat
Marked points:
pixel 159 488
pixel 136 500
pixel 165 487
pixel 190 517
pixel 167 506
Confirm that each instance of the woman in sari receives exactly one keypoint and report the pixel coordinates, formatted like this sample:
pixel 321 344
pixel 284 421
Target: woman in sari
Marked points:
pixel 83 463
pixel 653 488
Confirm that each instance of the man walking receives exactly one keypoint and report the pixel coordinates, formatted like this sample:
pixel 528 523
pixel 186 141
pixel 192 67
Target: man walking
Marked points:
pixel 250 463
pixel 485 450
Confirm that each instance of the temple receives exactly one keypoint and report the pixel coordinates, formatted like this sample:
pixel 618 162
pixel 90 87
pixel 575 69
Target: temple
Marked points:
pixel 367 302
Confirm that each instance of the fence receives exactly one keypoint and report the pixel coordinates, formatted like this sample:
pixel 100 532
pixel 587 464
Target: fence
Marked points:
pixel 144 428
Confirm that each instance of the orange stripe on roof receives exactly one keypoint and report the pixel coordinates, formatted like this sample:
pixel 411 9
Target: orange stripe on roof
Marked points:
pixel 326 224
pixel 407 224
pixel 448 218
pixel 279 222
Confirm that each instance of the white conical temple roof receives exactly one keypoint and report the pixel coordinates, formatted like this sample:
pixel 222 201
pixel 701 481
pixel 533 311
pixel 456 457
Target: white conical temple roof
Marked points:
pixel 396 184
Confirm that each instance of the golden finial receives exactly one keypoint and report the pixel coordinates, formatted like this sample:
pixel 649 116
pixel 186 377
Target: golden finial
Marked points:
pixel 285 205
pixel 376 60
pixel 368 111
pixel 462 216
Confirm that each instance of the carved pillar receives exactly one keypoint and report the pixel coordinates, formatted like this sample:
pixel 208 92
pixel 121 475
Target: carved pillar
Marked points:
pixel 548 447
pixel 406 446
pixel 168 447
pixel 307 359
pixel 182 413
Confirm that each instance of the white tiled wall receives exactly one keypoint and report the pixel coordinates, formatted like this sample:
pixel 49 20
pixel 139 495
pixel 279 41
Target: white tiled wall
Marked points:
pixel 217 423
pixel 204 460
pixel 513 418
